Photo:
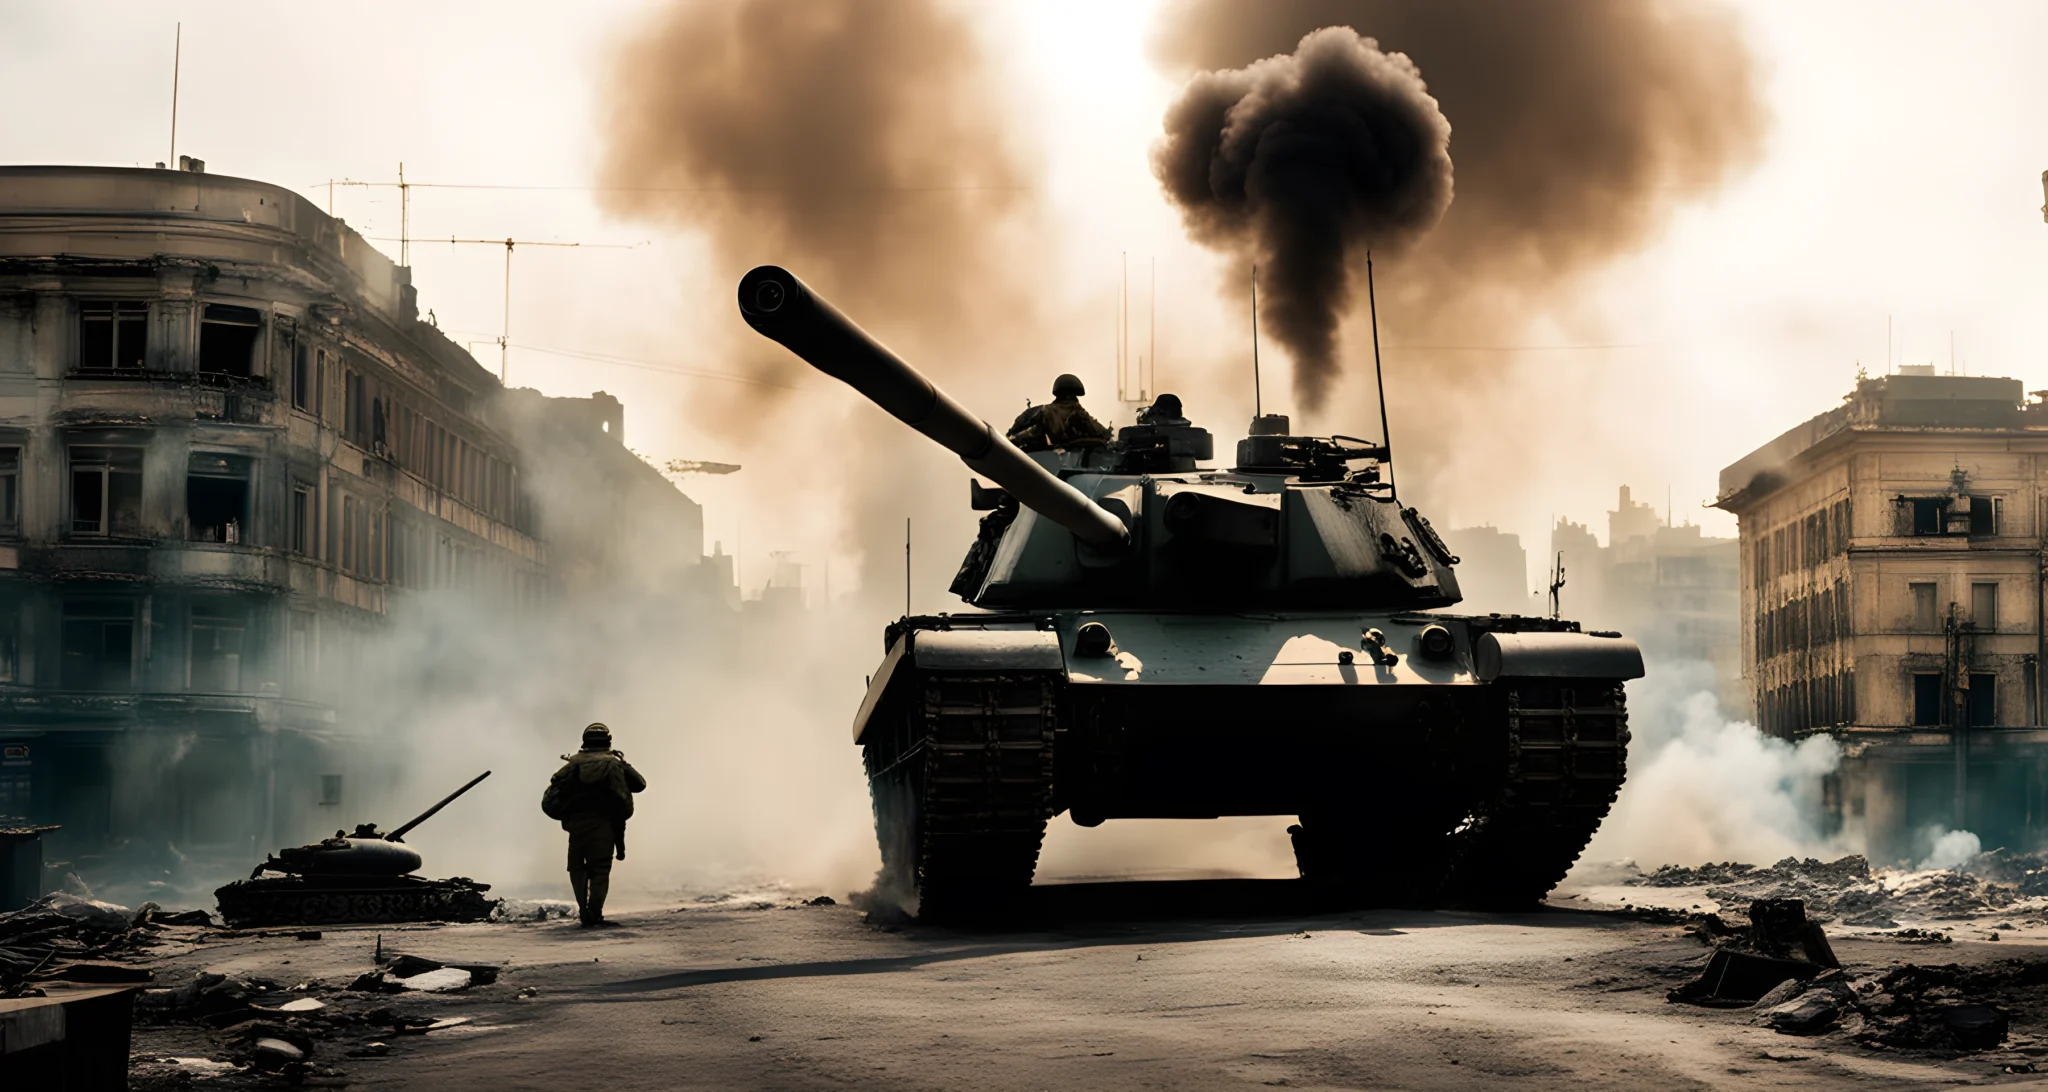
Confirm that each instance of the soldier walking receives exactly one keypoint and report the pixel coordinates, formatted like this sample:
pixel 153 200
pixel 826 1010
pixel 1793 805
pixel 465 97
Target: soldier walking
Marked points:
pixel 592 796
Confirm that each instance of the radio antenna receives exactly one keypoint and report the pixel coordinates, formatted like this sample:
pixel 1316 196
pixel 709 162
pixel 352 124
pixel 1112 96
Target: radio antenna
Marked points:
pixel 1379 378
pixel 1257 410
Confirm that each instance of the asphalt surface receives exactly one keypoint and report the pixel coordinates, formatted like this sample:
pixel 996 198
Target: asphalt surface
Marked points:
pixel 1220 984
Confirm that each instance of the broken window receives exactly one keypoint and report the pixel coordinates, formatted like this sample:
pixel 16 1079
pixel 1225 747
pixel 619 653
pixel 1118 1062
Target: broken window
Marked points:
pixel 227 340
pixel 1927 699
pixel 1984 607
pixel 112 335
pixel 217 497
pixel 377 439
pixel 1980 704
pixel 217 631
pixel 1984 513
pixel 10 490
pixel 302 520
pixel 106 490
pixel 97 644
pixel 1928 513
pixel 1923 607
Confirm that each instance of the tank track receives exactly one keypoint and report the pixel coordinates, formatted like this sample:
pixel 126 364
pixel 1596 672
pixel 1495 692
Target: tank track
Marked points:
pixel 962 791
pixel 293 900
pixel 1567 743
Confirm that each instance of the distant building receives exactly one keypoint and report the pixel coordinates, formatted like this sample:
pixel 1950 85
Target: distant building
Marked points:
pixel 228 446
pixel 1892 568
pixel 1493 570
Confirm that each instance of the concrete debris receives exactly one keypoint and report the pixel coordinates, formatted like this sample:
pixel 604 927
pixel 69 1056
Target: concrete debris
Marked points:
pixel 1753 961
pixel 1780 993
pixel 276 1054
pixel 302 1004
pixel 1810 1013
pixel 822 900
pixel 440 980
pixel 1737 979
pixel 62 937
pixel 1849 892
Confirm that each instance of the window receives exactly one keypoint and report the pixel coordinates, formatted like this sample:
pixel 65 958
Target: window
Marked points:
pixel 10 490
pixel 227 340
pixel 217 497
pixel 306 377
pixel 10 642
pixel 355 415
pixel 1928 513
pixel 97 644
pixel 1980 703
pixel 302 520
pixel 106 490
pixel 1984 607
pixel 112 335
pixel 377 438
pixel 289 355
pixel 1927 699
pixel 299 648
pixel 330 788
pixel 217 630
pixel 349 519
pixel 1923 607
pixel 1984 512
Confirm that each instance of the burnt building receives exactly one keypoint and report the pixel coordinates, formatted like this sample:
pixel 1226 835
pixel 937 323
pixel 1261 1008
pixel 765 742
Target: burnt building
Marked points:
pixel 229 448
pixel 1892 567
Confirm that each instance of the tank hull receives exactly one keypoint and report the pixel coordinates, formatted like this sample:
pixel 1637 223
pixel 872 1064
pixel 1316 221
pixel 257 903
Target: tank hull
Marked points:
pixel 1415 779
pixel 269 901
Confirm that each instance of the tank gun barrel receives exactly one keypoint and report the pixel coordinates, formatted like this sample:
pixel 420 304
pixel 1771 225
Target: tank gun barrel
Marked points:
pixel 429 813
pixel 781 307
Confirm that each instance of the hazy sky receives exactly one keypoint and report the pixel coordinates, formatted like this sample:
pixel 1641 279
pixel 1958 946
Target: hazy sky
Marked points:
pixel 1900 178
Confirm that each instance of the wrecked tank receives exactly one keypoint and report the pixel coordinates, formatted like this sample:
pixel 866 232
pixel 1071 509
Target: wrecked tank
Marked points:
pixel 1158 639
pixel 362 876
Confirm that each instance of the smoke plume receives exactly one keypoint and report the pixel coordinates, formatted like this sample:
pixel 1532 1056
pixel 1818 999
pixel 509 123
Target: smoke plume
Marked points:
pixel 1300 163
pixel 1582 126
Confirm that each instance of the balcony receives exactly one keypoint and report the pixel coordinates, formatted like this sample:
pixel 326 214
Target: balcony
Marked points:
pixel 211 396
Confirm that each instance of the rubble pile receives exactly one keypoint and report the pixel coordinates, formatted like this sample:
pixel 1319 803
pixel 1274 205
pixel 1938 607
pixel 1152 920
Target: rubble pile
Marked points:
pixel 62 937
pixel 1848 891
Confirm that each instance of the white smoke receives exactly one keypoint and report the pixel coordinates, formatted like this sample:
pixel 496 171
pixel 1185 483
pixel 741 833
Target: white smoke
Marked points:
pixel 1949 848
pixel 1703 788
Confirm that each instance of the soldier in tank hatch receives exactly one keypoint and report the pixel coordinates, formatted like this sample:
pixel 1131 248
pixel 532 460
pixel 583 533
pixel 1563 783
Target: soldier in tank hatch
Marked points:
pixel 1063 422
pixel 592 796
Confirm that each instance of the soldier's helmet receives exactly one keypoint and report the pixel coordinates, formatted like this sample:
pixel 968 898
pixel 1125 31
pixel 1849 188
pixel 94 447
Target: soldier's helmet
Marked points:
pixel 1068 385
pixel 597 736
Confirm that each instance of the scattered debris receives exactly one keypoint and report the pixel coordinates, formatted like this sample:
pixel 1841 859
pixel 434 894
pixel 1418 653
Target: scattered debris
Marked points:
pixel 1752 962
pixel 1810 1013
pixel 1738 979
pixel 822 900
pixel 276 1054
pixel 65 937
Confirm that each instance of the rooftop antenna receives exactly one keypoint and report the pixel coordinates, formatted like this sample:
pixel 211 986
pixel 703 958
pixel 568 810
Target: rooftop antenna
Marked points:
pixel 1379 379
pixel 405 222
pixel 505 330
pixel 1556 582
pixel 906 566
pixel 1887 343
pixel 1147 390
pixel 1258 409
pixel 177 60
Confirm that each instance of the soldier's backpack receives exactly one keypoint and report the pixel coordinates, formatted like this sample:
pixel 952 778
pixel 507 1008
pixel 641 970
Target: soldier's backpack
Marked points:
pixel 554 801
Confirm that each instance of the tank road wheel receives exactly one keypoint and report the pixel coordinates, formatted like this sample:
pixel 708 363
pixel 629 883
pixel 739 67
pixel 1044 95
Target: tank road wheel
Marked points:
pixel 962 794
pixel 1567 742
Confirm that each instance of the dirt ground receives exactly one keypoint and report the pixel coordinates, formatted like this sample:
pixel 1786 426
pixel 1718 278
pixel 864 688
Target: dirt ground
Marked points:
pixel 1213 984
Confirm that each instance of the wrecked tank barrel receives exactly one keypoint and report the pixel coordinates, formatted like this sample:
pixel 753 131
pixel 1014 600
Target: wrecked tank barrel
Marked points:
pixel 429 813
pixel 781 307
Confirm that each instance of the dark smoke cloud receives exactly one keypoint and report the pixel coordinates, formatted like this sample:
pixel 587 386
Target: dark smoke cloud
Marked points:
pixel 1300 163
pixel 850 139
pixel 1582 125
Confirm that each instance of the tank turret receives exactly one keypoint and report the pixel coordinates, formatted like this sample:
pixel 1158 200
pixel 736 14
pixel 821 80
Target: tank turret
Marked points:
pixel 1300 520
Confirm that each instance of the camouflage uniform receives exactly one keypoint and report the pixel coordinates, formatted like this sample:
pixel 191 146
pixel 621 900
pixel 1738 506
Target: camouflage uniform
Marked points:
pixel 1063 422
pixel 598 785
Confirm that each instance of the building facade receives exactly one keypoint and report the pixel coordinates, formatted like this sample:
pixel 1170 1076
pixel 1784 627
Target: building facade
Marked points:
pixel 228 447
pixel 1892 593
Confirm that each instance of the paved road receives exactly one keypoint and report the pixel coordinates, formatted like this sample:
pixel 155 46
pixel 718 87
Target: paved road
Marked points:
pixel 1172 986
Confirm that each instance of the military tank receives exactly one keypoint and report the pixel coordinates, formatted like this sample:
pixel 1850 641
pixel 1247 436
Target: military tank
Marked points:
pixel 1158 639
pixel 358 876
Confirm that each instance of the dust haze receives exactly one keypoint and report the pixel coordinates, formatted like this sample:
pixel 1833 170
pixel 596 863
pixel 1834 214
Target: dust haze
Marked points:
pixel 1299 165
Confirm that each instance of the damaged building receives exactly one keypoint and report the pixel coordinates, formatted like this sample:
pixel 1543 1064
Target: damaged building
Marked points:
pixel 229 446
pixel 1892 593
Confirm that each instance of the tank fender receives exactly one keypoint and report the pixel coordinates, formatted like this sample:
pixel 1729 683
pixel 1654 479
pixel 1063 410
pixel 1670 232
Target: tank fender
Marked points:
pixel 961 650
pixel 1556 655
